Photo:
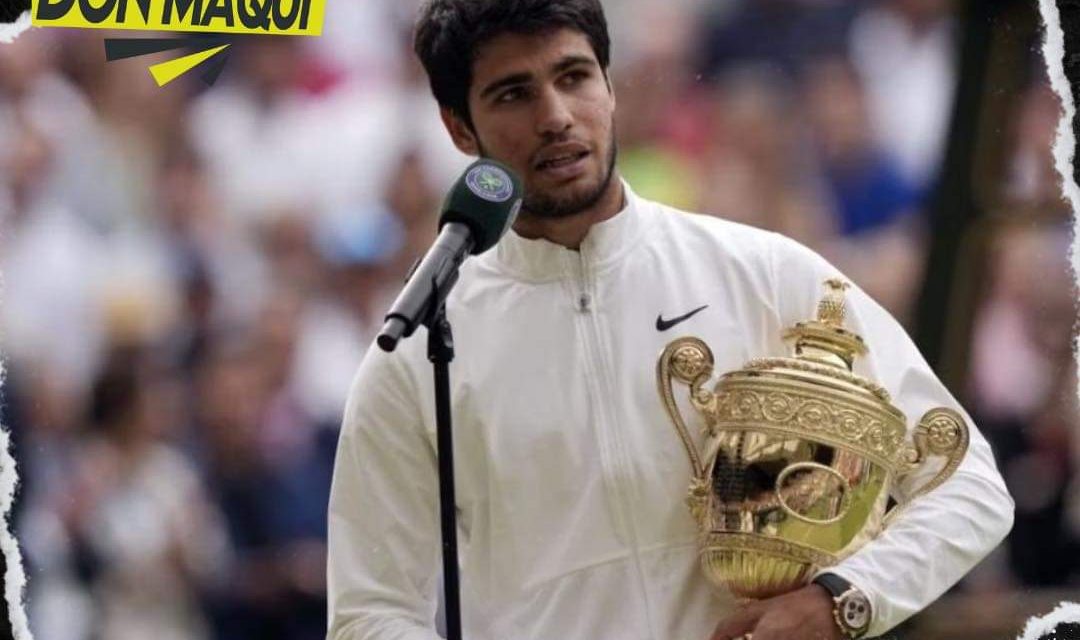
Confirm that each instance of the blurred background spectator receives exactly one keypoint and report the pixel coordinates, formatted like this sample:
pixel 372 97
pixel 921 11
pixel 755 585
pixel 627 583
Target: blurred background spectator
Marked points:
pixel 191 275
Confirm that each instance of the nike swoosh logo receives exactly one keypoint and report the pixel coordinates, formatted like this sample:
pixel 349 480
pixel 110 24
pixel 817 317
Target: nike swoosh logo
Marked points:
pixel 664 325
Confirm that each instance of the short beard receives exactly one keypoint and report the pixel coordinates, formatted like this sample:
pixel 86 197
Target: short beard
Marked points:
pixel 541 206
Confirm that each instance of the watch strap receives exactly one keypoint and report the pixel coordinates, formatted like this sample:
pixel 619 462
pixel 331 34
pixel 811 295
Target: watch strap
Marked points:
pixel 834 584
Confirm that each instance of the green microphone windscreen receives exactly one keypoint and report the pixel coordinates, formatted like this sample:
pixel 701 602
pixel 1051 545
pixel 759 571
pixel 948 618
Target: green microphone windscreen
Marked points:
pixel 486 198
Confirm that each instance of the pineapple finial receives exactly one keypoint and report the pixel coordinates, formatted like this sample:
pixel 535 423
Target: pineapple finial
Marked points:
pixel 830 310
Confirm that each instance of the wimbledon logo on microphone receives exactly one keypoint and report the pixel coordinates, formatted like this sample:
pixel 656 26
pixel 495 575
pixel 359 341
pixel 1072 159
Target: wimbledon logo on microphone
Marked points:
pixel 490 183
pixel 209 23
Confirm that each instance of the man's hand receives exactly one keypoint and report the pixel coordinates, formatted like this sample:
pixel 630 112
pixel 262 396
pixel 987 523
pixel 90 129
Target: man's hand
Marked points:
pixel 805 614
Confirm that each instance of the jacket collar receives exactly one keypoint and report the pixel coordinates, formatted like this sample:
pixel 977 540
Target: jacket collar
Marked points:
pixel 604 244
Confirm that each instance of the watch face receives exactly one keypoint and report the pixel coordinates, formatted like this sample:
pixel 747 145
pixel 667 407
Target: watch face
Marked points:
pixel 855 611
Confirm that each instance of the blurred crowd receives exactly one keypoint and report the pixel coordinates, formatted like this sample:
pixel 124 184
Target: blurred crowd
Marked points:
pixel 191 275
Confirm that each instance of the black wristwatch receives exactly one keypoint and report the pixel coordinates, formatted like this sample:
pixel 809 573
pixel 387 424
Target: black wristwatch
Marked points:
pixel 851 607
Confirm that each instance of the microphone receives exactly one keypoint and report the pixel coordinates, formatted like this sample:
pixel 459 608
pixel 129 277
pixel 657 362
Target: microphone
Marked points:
pixel 479 209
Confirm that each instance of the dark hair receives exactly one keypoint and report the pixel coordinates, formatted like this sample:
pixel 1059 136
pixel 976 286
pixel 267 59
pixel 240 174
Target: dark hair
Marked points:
pixel 449 33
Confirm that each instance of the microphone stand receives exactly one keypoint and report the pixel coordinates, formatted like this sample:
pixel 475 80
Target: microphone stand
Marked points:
pixel 440 353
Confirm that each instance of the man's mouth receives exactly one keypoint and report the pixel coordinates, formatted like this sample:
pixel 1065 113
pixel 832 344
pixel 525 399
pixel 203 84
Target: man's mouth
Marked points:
pixel 559 155
pixel 562 160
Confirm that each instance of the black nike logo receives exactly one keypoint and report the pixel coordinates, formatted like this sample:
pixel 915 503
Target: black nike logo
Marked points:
pixel 664 325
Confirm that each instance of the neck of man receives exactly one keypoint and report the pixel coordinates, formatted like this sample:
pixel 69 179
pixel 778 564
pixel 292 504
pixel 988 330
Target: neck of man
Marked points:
pixel 571 230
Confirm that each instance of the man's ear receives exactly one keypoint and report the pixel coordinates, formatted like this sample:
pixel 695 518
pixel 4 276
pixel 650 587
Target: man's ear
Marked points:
pixel 460 132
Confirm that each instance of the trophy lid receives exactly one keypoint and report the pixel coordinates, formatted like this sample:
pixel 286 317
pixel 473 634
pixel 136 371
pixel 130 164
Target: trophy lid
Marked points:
pixel 823 346
pixel 824 339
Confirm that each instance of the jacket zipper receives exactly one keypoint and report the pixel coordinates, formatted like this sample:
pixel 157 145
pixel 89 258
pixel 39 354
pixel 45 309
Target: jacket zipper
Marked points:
pixel 619 470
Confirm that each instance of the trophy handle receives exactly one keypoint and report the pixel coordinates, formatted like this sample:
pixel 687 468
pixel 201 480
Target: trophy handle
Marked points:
pixel 690 361
pixel 940 432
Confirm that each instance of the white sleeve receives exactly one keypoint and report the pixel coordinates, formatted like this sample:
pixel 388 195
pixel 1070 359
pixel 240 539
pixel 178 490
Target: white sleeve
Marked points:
pixel 942 535
pixel 383 556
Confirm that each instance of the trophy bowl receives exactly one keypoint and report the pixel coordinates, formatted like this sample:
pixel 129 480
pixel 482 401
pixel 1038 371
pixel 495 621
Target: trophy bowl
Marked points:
pixel 800 454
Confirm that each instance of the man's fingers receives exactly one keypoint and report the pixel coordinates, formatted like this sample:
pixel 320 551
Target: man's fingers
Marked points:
pixel 734 629
pixel 738 624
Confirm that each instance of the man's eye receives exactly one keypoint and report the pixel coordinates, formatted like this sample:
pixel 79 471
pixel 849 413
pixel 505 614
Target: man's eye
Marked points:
pixel 575 77
pixel 511 95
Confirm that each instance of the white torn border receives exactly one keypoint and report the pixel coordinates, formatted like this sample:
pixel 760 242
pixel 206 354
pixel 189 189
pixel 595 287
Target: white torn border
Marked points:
pixel 1064 146
pixel 1053 50
pixel 8 32
pixel 1041 627
pixel 15 577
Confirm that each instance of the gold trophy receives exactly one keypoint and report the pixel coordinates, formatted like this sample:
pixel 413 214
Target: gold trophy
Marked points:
pixel 800 454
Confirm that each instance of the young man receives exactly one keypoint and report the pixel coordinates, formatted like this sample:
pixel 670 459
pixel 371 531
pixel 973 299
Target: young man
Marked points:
pixel 570 476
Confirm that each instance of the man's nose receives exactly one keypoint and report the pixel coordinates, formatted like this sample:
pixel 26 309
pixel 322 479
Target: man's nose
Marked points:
pixel 553 114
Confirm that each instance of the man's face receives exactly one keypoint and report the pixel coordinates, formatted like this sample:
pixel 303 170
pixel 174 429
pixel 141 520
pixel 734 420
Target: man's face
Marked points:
pixel 542 105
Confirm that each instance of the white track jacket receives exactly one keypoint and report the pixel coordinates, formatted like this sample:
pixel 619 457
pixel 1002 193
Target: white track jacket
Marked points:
pixel 570 476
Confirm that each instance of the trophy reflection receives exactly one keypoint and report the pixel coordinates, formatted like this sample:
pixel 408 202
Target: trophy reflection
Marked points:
pixel 800 454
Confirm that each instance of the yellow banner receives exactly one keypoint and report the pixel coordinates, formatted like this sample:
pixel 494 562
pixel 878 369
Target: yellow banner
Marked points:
pixel 276 17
